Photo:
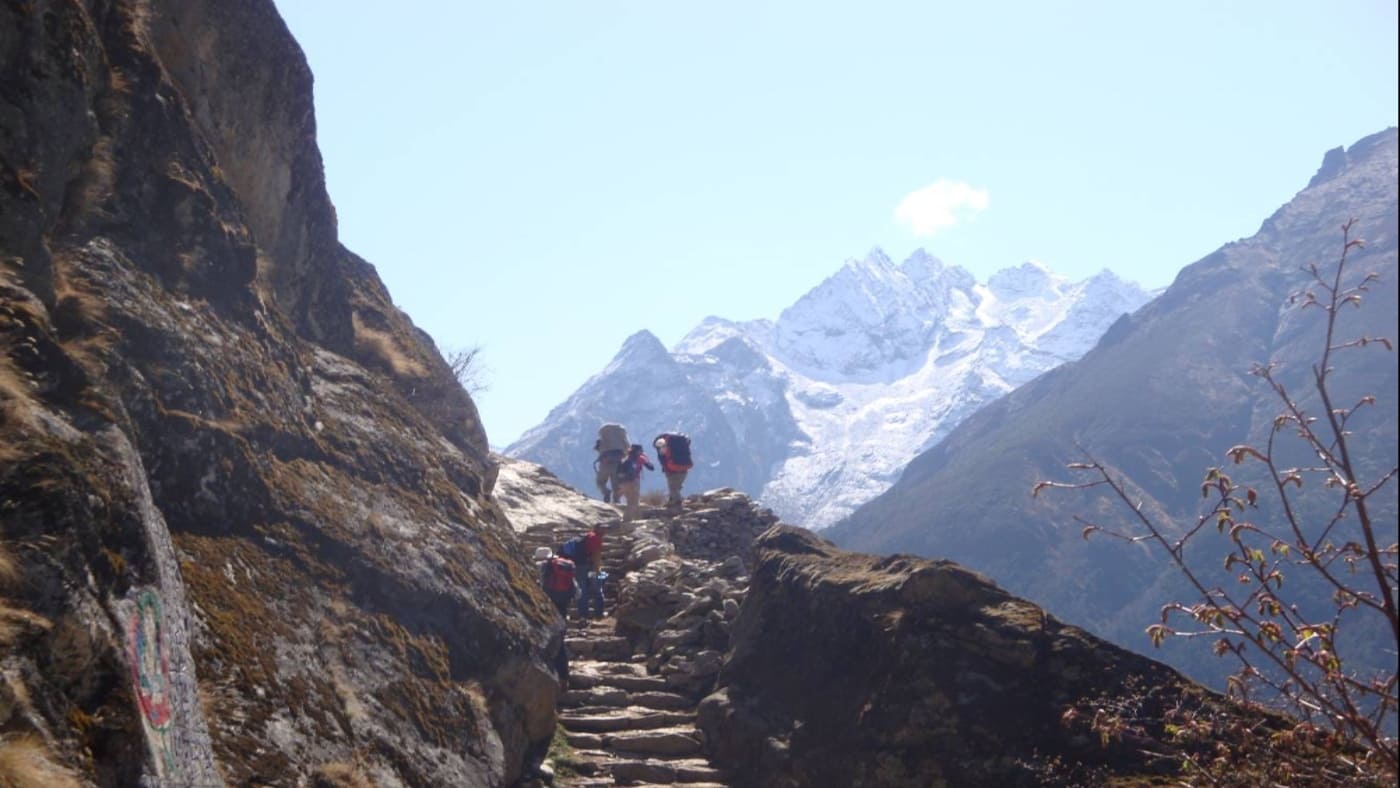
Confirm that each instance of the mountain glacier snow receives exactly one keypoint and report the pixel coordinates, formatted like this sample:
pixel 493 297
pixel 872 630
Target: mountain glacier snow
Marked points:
pixel 819 411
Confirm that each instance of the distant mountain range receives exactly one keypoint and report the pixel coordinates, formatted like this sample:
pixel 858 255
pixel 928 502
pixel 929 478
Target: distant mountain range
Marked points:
pixel 819 411
pixel 1160 399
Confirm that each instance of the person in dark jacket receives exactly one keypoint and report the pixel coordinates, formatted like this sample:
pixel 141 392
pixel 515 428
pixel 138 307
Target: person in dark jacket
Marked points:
pixel 627 480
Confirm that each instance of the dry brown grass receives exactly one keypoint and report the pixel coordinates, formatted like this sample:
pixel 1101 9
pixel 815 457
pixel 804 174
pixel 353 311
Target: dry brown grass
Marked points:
pixel 26 763
pixel 349 701
pixel 96 180
pixel 10 573
pixel 27 176
pixel 341 775
pixel 381 345
pixel 17 412
pixel 118 81
pixel 654 498
pixel 73 296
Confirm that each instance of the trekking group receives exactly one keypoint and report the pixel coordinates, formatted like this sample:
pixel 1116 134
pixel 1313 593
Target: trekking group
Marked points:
pixel 620 463
pixel 577 569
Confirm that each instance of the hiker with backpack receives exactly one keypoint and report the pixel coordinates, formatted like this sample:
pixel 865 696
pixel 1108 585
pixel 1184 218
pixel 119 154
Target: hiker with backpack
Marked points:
pixel 557 578
pixel 588 561
pixel 673 450
pixel 611 446
pixel 627 480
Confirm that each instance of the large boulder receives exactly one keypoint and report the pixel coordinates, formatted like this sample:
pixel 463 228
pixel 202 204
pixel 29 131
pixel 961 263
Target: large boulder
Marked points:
pixel 849 669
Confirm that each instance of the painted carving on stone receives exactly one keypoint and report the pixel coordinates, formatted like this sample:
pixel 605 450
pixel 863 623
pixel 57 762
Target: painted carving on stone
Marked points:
pixel 150 675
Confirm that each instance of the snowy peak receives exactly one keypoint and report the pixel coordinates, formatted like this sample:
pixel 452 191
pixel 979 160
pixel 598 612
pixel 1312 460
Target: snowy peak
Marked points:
pixel 1030 279
pixel 640 349
pixel 871 320
pixel 818 412
pixel 714 331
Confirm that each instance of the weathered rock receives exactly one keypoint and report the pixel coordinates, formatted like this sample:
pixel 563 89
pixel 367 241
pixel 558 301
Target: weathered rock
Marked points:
pixel 849 669
pixel 256 506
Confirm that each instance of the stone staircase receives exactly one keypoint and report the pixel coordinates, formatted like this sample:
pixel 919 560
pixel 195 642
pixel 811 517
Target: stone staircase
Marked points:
pixel 623 724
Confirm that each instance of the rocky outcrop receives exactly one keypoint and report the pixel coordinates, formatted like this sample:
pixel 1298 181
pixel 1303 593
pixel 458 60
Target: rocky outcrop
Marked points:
pixel 737 651
pixel 246 526
pixel 848 669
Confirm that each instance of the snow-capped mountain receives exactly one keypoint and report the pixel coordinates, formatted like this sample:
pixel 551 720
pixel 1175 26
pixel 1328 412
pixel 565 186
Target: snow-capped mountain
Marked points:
pixel 817 412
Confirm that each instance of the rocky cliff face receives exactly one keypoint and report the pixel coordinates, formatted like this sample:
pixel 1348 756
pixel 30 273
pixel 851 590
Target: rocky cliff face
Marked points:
pixel 245 512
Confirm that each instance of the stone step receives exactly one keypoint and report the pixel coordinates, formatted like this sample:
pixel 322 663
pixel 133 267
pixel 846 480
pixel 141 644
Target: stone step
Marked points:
pixel 584 679
pixel 613 720
pixel 659 741
pixel 610 647
pixel 584 741
pixel 666 771
pixel 629 769
pixel 616 696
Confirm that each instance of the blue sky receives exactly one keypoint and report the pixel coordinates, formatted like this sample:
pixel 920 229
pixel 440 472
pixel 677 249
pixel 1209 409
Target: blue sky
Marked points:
pixel 545 179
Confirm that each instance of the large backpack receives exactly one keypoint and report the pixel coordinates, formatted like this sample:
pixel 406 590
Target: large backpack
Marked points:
pixel 561 575
pixel 679 447
pixel 613 437
pixel 572 548
pixel 626 470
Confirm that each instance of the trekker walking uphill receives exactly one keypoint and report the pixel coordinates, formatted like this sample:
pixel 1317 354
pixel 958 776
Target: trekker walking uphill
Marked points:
pixel 611 446
pixel 627 480
pixel 673 450
pixel 557 578
pixel 588 562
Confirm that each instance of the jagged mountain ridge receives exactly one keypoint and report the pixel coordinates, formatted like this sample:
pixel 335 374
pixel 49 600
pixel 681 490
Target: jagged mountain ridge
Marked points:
pixel 818 411
pixel 1159 401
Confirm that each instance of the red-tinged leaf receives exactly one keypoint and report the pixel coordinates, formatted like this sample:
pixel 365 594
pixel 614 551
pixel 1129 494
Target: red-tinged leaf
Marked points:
pixel 1251 496
pixel 1088 530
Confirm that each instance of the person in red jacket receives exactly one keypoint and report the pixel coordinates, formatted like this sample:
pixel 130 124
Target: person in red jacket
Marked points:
pixel 673 449
pixel 587 566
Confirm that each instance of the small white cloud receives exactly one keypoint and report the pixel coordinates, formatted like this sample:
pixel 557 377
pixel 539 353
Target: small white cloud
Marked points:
pixel 941 205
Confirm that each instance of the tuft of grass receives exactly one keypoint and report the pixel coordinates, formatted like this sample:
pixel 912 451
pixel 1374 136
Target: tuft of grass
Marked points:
pixel 27 176
pixel 25 761
pixel 561 754
pixel 654 498
pixel 10 572
pixel 97 179
pixel 341 774
pixel 381 345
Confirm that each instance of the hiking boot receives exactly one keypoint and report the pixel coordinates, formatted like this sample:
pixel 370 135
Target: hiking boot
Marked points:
pixel 607 497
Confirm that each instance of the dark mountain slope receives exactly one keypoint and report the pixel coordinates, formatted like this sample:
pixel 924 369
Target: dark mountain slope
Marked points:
pixel 1163 395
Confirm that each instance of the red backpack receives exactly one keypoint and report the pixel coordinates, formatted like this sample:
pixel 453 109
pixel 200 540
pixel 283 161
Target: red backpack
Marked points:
pixel 561 575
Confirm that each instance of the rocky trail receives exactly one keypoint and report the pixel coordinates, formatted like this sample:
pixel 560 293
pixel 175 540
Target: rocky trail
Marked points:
pixel 626 725
pixel 637 675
